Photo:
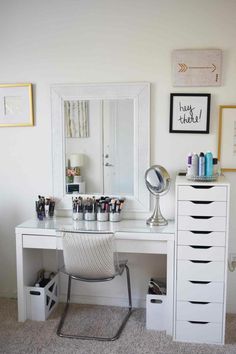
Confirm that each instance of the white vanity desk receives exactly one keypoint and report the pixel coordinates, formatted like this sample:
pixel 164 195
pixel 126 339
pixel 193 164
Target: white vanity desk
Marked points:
pixel 133 236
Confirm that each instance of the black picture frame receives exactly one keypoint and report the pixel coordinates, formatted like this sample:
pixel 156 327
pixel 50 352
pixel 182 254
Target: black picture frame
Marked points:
pixel 190 113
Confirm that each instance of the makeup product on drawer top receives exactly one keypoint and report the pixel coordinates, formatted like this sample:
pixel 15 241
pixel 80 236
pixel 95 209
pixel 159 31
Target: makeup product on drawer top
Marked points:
pixel 194 165
pixel 201 165
pixel 189 164
pixel 209 164
pixel 216 171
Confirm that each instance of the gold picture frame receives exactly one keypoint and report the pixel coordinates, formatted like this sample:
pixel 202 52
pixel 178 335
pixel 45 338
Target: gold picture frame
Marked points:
pixel 227 138
pixel 16 105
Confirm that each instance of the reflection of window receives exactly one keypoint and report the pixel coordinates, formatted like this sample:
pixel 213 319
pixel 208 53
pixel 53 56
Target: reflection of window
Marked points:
pixel 76 119
pixel 13 105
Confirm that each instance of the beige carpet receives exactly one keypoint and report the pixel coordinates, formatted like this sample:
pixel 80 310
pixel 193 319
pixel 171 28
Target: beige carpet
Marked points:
pixel 40 337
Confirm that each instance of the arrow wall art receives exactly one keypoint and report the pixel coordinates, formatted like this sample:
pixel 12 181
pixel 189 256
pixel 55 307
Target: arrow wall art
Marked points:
pixel 192 67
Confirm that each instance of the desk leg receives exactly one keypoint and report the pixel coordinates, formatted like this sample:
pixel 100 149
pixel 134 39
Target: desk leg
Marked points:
pixel 170 287
pixel 20 279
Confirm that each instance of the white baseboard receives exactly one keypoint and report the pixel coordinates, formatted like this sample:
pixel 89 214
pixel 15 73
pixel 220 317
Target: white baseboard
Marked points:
pixel 104 300
pixel 9 295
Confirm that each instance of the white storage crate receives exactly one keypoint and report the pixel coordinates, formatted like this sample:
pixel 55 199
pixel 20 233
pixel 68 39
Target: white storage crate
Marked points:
pixel 42 301
pixel 156 306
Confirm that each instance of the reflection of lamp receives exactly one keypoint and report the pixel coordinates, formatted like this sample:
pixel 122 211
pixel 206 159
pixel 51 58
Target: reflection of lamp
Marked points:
pixel 77 186
pixel 76 161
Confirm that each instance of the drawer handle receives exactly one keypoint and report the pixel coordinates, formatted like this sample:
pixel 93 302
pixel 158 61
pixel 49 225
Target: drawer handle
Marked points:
pixel 156 301
pixel 199 302
pixel 193 261
pixel 202 187
pixel 198 322
pixel 200 247
pixel 199 282
pixel 201 217
pixel 201 202
pixel 201 232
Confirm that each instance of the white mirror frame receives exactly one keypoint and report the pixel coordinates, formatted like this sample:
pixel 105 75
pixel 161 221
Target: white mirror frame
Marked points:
pixel 140 94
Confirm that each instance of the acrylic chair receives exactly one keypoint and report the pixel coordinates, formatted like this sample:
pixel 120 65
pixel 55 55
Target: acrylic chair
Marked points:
pixel 91 257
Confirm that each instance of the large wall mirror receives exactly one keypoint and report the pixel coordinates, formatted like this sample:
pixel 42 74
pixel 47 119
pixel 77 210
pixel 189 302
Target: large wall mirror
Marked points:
pixel 101 142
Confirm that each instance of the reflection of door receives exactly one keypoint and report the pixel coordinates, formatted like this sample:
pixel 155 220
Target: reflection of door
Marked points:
pixel 118 130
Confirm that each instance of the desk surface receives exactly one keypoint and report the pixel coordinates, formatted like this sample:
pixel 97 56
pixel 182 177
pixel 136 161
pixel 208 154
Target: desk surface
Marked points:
pixel 50 226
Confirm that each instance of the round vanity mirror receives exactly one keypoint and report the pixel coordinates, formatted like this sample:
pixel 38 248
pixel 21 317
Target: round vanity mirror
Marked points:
pixel 157 180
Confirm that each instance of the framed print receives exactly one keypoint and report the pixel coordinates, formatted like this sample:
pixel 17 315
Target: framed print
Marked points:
pixel 16 105
pixel 190 113
pixel 227 138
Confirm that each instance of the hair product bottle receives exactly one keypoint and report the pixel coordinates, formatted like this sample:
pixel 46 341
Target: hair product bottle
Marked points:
pixel 209 164
pixel 201 164
pixel 194 166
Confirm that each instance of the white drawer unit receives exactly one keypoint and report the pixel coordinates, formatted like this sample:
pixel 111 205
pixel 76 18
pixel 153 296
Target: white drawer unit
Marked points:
pixel 204 192
pixel 198 208
pixel 199 311
pixel 202 213
pixel 195 290
pixel 200 270
pixel 199 223
pixel 199 331
pixel 201 238
pixel 201 253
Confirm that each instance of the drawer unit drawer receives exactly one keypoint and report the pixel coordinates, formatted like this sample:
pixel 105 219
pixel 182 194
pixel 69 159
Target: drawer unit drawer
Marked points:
pixel 202 192
pixel 190 290
pixel 199 311
pixel 201 253
pixel 199 332
pixel 202 238
pixel 199 270
pixel 197 223
pixel 202 208
pixel 42 242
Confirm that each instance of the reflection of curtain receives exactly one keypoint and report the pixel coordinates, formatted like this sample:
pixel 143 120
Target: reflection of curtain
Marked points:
pixel 76 119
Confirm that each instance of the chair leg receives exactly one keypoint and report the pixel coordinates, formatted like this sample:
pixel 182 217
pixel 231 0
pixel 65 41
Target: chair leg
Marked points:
pixel 63 316
pixel 118 333
pixel 128 286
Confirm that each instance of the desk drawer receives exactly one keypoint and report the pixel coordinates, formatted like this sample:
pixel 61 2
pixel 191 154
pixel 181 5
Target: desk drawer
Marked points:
pixel 37 241
pixel 201 253
pixel 199 332
pixel 197 223
pixel 202 192
pixel 199 208
pixel 200 291
pixel 198 270
pixel 199 311
pixel 202 238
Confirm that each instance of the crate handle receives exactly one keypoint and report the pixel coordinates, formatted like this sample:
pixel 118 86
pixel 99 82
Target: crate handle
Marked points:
pixel 156 301
pixel 33 292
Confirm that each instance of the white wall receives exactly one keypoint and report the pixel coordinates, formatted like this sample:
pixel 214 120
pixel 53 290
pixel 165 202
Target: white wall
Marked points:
pixel 75 41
